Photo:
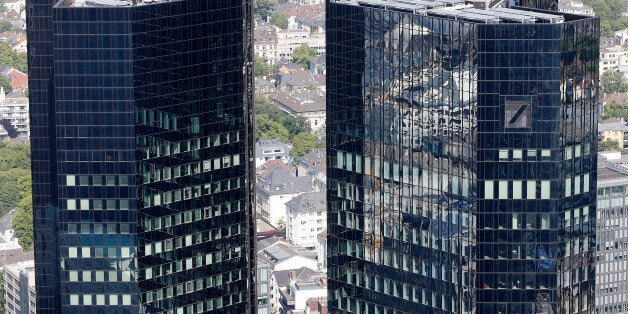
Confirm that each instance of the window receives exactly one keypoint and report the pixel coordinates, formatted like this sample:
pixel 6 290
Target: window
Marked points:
pixel 72 252
pixel 517 189
pixel 545 189
pixel 71 204
pixel 70 180
pixel 531 190
pixel 488 189
pixel 74 299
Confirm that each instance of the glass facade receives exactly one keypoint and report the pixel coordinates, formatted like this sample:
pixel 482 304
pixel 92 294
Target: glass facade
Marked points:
pixel 148 109
pixel 458 150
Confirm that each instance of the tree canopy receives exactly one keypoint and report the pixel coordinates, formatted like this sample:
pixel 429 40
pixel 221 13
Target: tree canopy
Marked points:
pixel 260 64
pixel 615 109
pixel 304 143
pixel 303 55
pixel 279 19
pixel 610 14
pixel 268 115
pixel 15 189
pixel 12 58
pixel 613 82
pixel 608 145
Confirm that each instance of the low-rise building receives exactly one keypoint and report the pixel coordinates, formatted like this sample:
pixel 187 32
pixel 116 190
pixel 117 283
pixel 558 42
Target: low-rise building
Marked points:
pixel 14 107
pixel 309 285
pixel 306 218
pixel 19 288
pixel 289 39
pixel 316 306
pixel 272 149
pixel 314 164
pixel 274 190
pixel 613 58
pixel 575 7
pixel 264 271
pixel 265 41
pixel 309 105
pixel 611 236
pixel 282 256
pixel 616 131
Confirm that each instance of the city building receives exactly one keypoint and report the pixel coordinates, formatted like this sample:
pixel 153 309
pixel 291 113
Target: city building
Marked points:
pixel 19 288
pixel 614 130
pixel 575 7
pixel 275 189
pixel 281 281
pixel 614 58
pixel 611 285
pixel 273 149
pixel 142 155
pixel 314 164
pixel 308 104
pixel 264 270
pixel 265 44
pixel 14 108
pixel 306 217
pixel 281 255
pixel 460 142
pixel 289 39
pixel 302 286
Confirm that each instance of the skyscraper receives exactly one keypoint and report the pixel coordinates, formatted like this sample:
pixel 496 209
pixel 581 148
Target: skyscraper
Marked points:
pixel 142 143
pixel 462 152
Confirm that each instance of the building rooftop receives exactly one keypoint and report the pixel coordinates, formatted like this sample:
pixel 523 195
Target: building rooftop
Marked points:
pixel 284 277
pixel 310 101
pixel 612 126
pixel 459 10
pixel 610 173
pixel 265 169
pixel 316 160
pixel 274 251
pixel 308 202
pixel 272 146
pixel 279 181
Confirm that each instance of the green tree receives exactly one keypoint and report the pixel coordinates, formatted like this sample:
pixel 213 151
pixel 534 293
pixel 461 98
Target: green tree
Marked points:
pixel 303 54
pixel 610 14
pixel 613 82
pixel 303 143
pixel 14 156
pixel 268 128
pixel 296 126
pixel 5 26
pixel 261 66
pixel 6 84
pixel 2 292
pixel 279 19
pixel 12 58
pixel 10 192
pixel 262 8
pixel 608 145
pixel 22 222
pixel 615 109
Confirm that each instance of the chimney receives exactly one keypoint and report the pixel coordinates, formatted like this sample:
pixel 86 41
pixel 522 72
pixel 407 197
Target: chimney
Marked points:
pixel 318 153
pixel 2 95
pixel 293 275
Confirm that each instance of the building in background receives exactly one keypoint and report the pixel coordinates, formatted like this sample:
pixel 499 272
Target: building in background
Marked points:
pixel 460 142
pixel 19 288
pixel 142 156
pixel 306 217
pixel 275 189
pixel 264 271
pixel 273 149
pixel 611 286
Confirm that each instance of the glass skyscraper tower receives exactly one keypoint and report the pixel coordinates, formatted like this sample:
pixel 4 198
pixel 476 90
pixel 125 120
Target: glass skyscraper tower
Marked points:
pixel 462 153
pixel 142 149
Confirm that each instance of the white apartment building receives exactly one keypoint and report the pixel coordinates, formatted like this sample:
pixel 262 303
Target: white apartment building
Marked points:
pixel 306 218
pixel 19 288
pixel 289 39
